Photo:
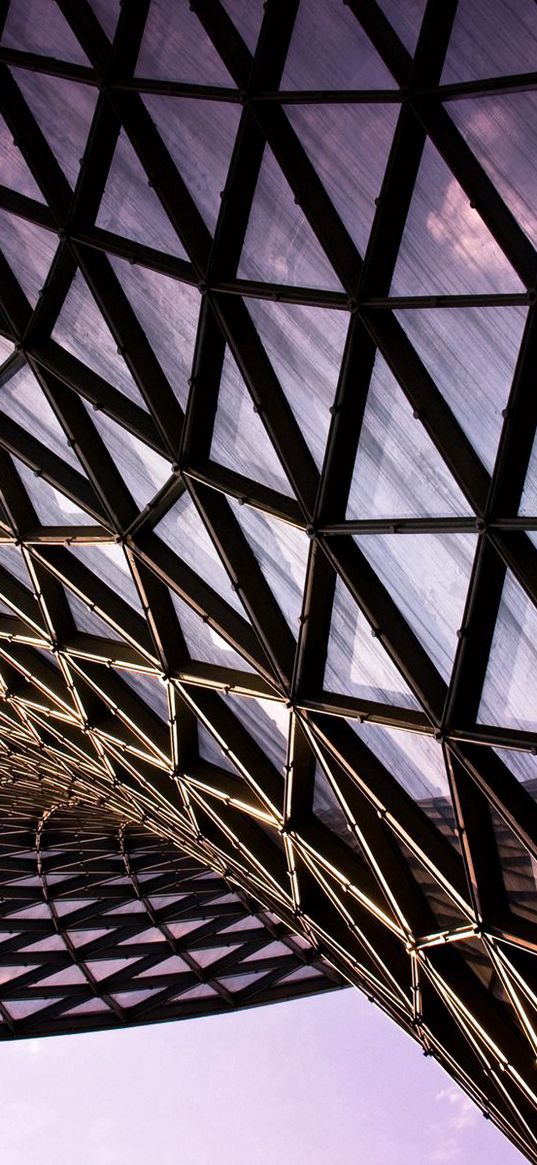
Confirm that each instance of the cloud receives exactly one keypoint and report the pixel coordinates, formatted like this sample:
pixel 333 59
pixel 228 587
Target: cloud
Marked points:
pixel 460 1114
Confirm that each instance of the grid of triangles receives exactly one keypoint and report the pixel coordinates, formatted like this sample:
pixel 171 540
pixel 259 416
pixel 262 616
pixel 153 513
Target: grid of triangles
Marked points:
pixel 268 502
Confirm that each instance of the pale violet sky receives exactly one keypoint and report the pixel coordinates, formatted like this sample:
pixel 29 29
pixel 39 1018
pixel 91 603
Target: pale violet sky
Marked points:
pixel 322 1081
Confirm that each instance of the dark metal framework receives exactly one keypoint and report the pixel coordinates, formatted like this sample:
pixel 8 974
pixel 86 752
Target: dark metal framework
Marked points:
pixel 164 733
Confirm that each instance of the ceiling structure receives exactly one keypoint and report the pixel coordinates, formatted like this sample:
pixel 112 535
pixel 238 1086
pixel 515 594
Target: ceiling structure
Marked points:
pixel 268 517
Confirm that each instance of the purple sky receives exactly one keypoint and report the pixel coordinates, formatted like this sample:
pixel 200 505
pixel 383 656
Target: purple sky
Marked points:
pixel 307 1082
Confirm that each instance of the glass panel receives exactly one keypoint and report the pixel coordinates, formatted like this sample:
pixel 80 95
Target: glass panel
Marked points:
pixel 427 576
pixel 330 50
pixel 349 147
pixel 21 399
pixel 405 19
pixel 328 808
pixel 184 532
pixel 282 553
pixel 81 329
pixel 415 760
pixel 143 471
pixel 15 172
pixel 29 250
pixel 37 26
pixel 247 15
pixel 91 1007
pixel 501 133
pixel 491 37
pixel 110 565
pixel 528 501
pixel 19 1009
pixel 471 354
pixel 267 721
pixel 52 507
pixel 176 47
pixel 280 246
pixel 523 766
pixel 13 561
pixel 130 207
pixel 200 136
pixel 203 642
pixel 446 247
pixel 305 346
pixel 210 751
pixel 171 966
pixel 357 664
pixel 240 440
pixel 88 621
pixel 508 696
pixel 149 689
pixel 6 347
pixel 48 98
pixel 168 312
pixel 107 12
pixel 398 471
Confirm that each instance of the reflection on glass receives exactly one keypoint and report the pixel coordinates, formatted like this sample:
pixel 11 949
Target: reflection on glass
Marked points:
pixel 130 207
pixel 48 98
pixel 491 37
pixel 175 47
pixel 29 250
pixel 339 54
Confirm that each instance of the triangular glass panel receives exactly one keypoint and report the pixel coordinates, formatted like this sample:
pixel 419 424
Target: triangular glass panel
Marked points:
pixel 149 689
pixel 110 565
pixel 48 98
pixel 528 501
pixel 268 723
pixel 489 40
pixel 176 48
pixel 349 147
pixel 29 250
pixel 23 400
pixel 37 26
pixel 210 750
pixel 497 131
pixel 184 532
pixel 168 312
pixel 246 16
pixel 203 642
pixel 398 471
pixel 22 1008
pixel 107 13
pixel 471 355
pixel 240 440
pixel 89 621
pixel 508 697
pixel 15 172
pixel 427 576
pixel 280 246
pixel 357 664
pixel 413 758
pixel 305 347
pixel 12 560
pixel 282 553
pixel 52 507
pixel 143 470
pixel 405 19
pixel 330 50
pixel 6 346
pixel 90 1007
pixel 446 247
pixel 130 207
pixel 81 329
pixel 328 808
pixel 523 766
pixel 200 136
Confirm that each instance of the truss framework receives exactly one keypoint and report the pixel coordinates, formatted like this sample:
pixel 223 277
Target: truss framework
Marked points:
pixel 268 558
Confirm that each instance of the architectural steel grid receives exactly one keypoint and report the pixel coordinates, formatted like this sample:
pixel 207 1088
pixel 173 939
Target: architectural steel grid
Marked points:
pixel 268 524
